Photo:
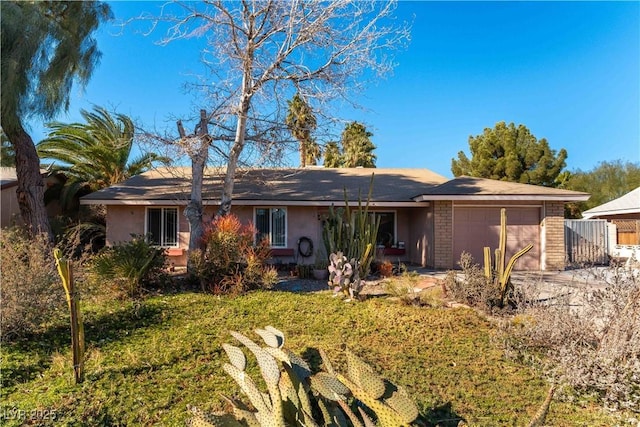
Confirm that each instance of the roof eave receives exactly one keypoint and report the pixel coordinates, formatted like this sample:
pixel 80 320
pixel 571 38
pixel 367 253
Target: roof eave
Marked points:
pixel 503 197
pixel 587 214
pixel 240 202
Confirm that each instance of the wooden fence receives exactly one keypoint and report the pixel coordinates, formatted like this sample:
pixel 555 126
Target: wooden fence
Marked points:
pixel 586 241
pixel 628 231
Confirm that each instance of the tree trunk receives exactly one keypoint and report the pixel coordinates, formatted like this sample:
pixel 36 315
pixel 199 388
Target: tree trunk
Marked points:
pixel 303 154
pixel 234 154
pixel 194 210
pixel 30 189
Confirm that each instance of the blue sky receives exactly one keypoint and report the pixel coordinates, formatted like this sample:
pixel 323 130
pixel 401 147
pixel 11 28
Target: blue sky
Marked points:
pixel 569 71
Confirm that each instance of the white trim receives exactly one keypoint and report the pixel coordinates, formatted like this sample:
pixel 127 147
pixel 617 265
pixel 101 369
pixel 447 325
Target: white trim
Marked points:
pixel 505 197
pixel 286 224
pixel 146 222
pixel 256 203
pixel 154 203
pixel 496 205
pixel 612 212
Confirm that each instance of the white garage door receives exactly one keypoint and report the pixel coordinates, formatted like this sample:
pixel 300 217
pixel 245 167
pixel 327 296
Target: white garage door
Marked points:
pixel 477 227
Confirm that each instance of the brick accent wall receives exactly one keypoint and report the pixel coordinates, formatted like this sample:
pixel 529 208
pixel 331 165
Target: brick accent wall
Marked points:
pixel 443 234
pixel 554 250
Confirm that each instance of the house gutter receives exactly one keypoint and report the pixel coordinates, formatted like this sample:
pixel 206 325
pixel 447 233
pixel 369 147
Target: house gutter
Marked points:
pixel 505 197
pixel 239 202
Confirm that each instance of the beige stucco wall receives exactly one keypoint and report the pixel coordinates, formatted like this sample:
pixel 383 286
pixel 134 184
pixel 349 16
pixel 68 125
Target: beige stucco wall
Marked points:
pixel 123 221
pixel 10 211
pixel 412 224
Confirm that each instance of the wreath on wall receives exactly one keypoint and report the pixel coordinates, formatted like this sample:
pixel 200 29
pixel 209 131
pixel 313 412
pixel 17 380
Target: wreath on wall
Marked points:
pixel 305 247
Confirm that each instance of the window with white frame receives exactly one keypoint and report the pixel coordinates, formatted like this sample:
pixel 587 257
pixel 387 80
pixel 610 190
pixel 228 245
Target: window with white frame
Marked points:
pixel 387 229
pixel 162 226
pixel 271 224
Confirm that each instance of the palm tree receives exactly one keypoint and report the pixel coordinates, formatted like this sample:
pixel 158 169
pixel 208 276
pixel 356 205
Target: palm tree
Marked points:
pixel 95 154
pixel 332 155
pixel 357 146
pixel 301 123
pixel 313 153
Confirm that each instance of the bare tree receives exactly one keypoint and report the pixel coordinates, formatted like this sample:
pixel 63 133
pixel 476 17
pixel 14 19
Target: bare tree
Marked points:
pixel 197 147
pixel 260 53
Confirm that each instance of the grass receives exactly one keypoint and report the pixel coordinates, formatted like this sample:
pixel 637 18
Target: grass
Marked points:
pixel 147 361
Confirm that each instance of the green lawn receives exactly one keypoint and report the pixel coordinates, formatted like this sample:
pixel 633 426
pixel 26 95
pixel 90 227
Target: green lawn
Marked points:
pixel 146 362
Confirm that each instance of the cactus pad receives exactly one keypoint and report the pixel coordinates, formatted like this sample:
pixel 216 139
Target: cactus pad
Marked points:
pixel 363 376
pixel 329 386
pixel 268 365
pixel 368 422
pixel 404 406
pixel 204 419
pixel 236 356
pixel 276 332
pixel 269 338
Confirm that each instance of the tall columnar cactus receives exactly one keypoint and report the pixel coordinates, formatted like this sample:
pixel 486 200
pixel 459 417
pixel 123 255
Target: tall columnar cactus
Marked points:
pixel 77 328
pixel 294 392
pixel 353 232
pixel 500 273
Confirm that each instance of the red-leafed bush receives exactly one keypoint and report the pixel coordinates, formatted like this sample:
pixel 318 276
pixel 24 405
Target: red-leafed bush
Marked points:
pixel 232 261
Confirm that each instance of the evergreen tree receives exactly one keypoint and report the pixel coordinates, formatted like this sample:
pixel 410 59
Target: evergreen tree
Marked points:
pixel 8 154
pixel 46 46
pixel 511 153
pixel 605 182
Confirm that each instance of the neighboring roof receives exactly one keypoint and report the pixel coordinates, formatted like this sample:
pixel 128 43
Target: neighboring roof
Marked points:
pixel 469 188
pixel 304 186
pixel 627 204
pixel 8 177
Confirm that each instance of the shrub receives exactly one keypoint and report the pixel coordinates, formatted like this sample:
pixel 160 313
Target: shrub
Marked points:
pixel 474 289
pixel 591 338
pixel 386 269
pixel 131 266
pixel 230 261
pixel 32 295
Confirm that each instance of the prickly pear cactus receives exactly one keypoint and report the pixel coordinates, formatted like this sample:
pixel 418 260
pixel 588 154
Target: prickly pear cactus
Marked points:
pixel 343 276
pixel 294 392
